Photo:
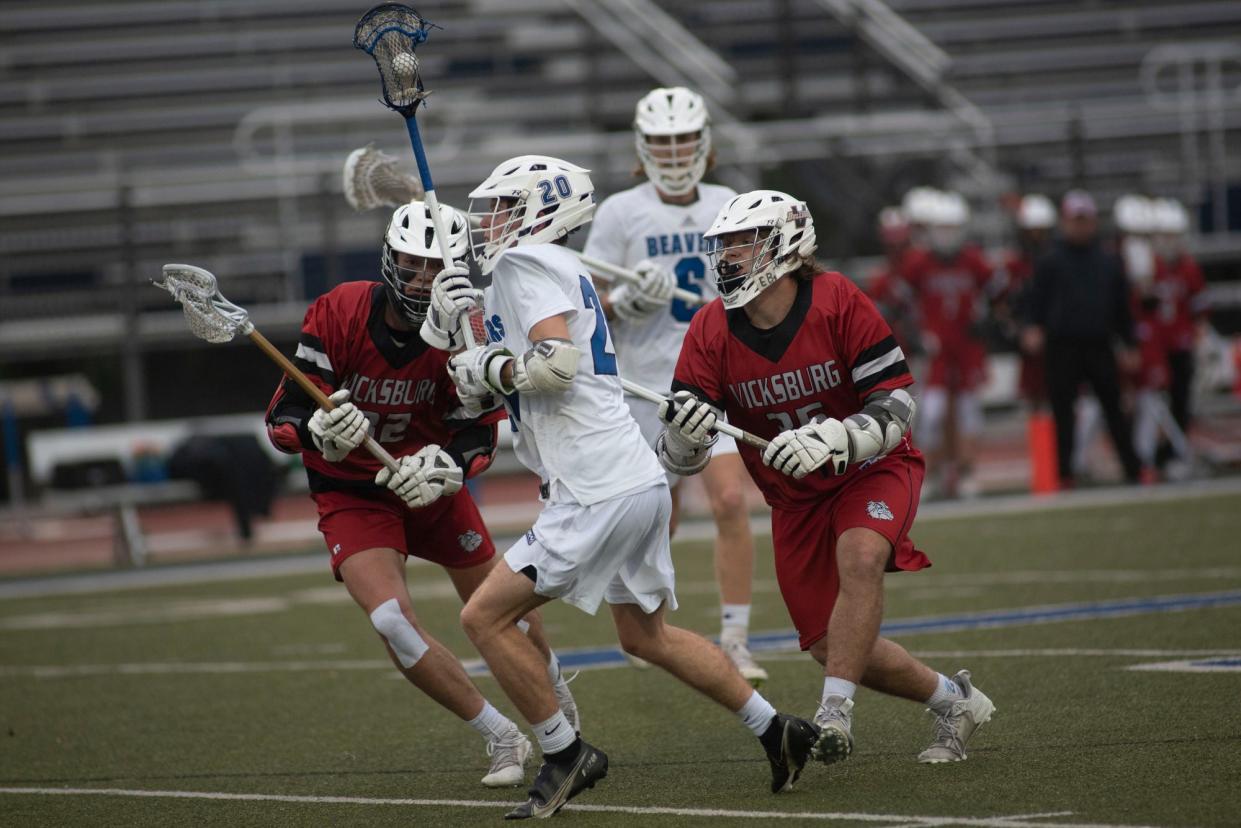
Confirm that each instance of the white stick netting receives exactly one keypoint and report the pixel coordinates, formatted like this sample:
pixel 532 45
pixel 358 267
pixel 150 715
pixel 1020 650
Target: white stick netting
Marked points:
pixel 208 314
pixel 372 178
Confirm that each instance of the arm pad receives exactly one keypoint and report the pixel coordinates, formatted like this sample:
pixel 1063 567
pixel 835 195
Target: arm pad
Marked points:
pixel 547 368
pixel 881 424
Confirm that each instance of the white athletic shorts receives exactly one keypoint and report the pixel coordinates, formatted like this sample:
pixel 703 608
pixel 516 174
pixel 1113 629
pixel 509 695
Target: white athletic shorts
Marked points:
pixel 615 551
pixel 646 414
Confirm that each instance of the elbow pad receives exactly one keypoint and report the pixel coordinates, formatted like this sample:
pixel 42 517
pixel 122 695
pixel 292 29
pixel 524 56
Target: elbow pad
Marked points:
pixel 684 464
pixel 547 368
pixel 880 426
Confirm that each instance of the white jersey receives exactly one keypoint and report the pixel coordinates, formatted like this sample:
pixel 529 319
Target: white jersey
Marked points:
pixel 583 443
pixel 634 225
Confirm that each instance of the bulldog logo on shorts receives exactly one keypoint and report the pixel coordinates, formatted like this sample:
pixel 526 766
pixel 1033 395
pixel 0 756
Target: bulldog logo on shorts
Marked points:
pixel 879 510
pixel 470 540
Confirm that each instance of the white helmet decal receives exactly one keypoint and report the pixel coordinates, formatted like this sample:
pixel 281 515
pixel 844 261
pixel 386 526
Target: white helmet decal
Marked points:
pixel 532 199
pixel 411 231
pixel 782 240
pixel 672 134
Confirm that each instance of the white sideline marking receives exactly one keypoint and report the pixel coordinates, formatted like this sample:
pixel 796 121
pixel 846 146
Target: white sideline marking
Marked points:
pixel 891 819
pixel 1230 663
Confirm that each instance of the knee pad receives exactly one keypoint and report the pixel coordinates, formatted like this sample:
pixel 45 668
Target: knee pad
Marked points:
pixel 969 414
pixel 401 636
pixel 930 422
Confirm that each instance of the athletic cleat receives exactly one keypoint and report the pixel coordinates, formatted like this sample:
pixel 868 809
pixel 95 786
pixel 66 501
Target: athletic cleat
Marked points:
pixel 557 784
pixel 735 647
pixel 954 728
pixel 564 698
pixel 508 759
pixel 797 738
pixel 835 724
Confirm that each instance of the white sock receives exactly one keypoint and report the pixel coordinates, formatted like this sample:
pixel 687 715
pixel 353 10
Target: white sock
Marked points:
pixel 735 615
pixel 553 668
pixel 491 723
pixel 555 734
pixel 756 713
pixel 838 687
pixel 946 692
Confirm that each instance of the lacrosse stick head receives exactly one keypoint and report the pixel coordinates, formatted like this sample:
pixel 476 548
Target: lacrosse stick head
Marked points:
pixel 389 33
pixel 372 178
pixel 210 316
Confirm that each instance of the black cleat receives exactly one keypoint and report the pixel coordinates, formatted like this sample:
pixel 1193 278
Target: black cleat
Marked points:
pixel 557 784
pixel 797 738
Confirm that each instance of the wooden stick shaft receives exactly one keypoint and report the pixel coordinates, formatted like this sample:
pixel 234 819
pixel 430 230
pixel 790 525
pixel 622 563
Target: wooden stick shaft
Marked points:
pixel 370 444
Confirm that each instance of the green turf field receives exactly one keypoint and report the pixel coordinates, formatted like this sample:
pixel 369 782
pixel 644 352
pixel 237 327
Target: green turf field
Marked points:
pixel 276 690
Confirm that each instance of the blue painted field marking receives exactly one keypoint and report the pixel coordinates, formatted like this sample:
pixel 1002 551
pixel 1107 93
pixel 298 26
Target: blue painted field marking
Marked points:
pixel 992 619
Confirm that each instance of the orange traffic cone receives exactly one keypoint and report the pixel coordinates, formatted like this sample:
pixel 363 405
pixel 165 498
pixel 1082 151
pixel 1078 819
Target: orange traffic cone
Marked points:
pixel 1041 439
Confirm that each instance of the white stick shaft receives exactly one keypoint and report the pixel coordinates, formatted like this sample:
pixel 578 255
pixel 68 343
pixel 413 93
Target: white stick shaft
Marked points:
pixel 467 333
pixel 721 426
pixel 612 273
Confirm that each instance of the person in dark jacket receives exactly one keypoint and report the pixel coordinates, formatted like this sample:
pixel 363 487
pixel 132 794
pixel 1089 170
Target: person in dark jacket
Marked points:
pixel 1078 309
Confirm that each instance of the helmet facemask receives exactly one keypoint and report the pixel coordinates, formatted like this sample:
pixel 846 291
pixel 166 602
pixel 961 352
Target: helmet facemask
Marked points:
pixel 409 289
pixel 674 163
pixel 744 263
pixel 495 226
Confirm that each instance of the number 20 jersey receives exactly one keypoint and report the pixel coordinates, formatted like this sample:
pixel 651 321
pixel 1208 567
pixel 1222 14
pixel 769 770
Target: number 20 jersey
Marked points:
pixel 582 442
pixel 634 225
pixel 830 353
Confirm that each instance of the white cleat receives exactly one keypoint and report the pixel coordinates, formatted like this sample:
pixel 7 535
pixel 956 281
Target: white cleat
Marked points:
pixel 835 723
pixel 566 702
pixel 954 728
pixel 508 759
pixel 737 649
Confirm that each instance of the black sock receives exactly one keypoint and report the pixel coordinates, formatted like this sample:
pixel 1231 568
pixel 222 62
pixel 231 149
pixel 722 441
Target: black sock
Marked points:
pixel 566 756
pixel 771 736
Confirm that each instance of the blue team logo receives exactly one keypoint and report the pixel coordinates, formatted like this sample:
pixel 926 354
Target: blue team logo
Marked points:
pixel 495 328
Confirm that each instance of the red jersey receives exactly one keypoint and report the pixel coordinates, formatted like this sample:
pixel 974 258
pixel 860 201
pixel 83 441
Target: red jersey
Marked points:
pixel 832 350
pixel 949 293
pixel 402 387
pixel 1178 286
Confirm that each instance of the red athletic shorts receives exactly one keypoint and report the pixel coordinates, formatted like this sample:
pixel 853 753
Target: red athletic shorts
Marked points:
pixel 883 497
pixel 960 364
pixel 449 532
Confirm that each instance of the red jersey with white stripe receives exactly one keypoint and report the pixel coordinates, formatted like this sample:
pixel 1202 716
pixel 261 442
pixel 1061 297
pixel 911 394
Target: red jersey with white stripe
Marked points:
pixel 830 353
pixel 1179 286
pixel 949 292
pixel 402 386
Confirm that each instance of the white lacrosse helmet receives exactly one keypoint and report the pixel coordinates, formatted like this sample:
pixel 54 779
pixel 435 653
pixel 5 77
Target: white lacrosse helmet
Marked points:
pixel 550 199
pixel 1134 214
pixel 920 204
pixel 1170 217
pixel 676 159
pixel 1036 213
pixel 412 231
pixel 947 217
pixel 782 240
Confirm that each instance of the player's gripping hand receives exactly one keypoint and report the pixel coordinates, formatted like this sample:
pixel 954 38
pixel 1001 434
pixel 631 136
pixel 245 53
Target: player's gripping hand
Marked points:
pixel 651 293
pixel 690 421
pixel 423 477
pixel 799 451
pixel 452 297
pixel 339 431
pixel 477 372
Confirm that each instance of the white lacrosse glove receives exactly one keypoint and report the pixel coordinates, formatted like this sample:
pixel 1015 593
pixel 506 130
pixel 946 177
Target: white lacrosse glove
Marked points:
pixel 339 431
pixel 690 422
pixel 423 477
pixel 799 451
pixel 651 293
pixel 453 296
pixel 476 372
pixel 474 406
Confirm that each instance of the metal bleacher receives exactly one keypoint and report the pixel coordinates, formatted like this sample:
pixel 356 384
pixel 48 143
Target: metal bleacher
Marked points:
pixel 213 130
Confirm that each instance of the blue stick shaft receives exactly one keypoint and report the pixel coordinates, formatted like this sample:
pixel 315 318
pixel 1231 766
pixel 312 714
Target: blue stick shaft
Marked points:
pixel 420 155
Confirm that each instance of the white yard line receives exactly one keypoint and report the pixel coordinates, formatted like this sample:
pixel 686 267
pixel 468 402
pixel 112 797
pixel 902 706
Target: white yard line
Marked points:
pixel 707 813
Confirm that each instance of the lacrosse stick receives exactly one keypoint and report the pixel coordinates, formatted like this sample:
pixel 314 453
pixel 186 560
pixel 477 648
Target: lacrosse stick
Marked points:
pixel 612 273
pixel 213 318
pixel 720 425
pixel 389 33
pixel 374 179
